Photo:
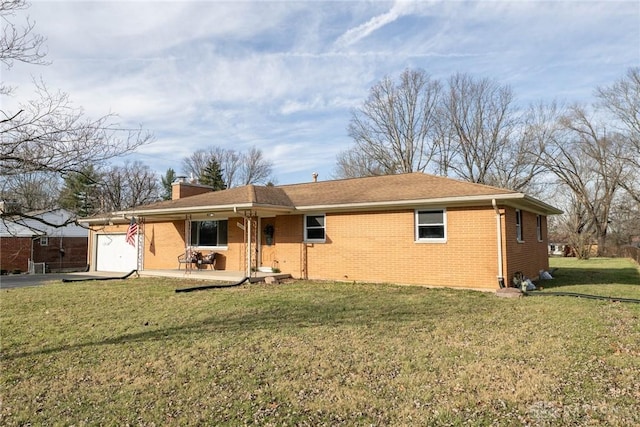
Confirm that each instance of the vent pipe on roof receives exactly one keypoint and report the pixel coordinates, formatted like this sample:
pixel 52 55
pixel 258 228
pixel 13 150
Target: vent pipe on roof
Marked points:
pixel 315 176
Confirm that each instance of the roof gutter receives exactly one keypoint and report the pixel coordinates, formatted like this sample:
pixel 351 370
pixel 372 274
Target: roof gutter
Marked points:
pixel 499 237
pixel 189 209
pixel 514 198
pixel 122 215
pixel 519 200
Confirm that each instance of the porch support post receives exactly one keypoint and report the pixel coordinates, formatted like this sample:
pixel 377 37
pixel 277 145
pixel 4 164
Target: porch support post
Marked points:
pixel 248 231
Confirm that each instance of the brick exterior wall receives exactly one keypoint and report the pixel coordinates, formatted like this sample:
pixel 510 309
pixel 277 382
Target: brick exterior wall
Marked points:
pixel 15 253
pixel 163 243
pixel 529 256
pixel 72 257
pixel 381 247
pixel 377 246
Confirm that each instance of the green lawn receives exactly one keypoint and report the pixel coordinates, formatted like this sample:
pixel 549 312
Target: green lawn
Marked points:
pixel 135 352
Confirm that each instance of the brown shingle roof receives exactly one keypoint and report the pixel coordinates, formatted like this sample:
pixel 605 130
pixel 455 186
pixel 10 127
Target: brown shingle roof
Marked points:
pixel 249 194
pixel 414 189
pixel 368 190
pixel 387 188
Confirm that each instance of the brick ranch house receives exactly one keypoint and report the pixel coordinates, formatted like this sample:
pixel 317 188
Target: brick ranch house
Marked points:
pixel 39 237
pixel 409 228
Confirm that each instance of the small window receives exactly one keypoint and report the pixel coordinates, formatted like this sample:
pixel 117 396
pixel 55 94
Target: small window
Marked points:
pixel 539 227
pixel 431 225
pixel 209 233
pixel 44 241
pixel 519 225
pixel 314 228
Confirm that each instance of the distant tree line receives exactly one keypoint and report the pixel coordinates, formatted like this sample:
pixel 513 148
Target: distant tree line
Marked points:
pixel 95 189
pixel 583 158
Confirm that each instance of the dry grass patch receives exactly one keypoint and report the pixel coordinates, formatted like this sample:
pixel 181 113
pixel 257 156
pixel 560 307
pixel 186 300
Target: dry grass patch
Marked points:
pixel 308 353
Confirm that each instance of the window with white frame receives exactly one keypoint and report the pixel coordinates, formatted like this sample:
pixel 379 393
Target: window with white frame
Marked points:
pixel 519 235
pixel 314 228
pixel 539 227
pixel 44 241
pixel 209 233
pixel 431 225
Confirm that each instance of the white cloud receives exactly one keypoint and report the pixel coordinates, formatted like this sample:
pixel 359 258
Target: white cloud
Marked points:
pixel 353 35
pixel 283 75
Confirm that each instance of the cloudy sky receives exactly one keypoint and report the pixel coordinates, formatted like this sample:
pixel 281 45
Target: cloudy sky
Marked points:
pixel 285 75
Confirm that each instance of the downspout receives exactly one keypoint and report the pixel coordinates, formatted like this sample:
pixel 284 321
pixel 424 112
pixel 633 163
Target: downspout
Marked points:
pixel 248 222
pixel 499 237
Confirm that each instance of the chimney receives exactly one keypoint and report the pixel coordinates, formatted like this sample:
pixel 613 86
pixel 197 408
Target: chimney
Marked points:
pixel 181 188
pixel 315 176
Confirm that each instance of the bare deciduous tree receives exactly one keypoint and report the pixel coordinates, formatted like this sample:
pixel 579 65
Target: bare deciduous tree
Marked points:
pixel 590 163
pixel 521 166
pixel 49 134
pixel 625 220
pixel 573 227
pixel 485 140
pixel 32 191
pixel 470 130
pixel 353 163
pixel 254 169
pixel 622 99
pixel 230 163
pixel 237 168
pixel 393 130
pixel 18 43
pixel 195 164
pixel 127 186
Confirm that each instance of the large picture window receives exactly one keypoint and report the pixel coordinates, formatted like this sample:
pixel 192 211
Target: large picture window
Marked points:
pixel 209 233
pixel 431 225
pixel 314 228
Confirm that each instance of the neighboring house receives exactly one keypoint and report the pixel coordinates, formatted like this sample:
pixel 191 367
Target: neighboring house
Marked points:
pixel 409 228
pixel 24 240
pixel 560 249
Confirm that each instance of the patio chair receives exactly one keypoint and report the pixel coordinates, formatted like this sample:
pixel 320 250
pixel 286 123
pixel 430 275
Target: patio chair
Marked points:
pixel 209 259
pixel 189 257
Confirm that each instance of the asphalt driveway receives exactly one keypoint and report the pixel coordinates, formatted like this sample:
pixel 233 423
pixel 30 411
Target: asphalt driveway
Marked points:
pixel 24 280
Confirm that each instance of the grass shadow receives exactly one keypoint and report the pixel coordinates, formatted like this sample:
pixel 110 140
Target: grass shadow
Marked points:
pixel 267 316
pixel 572 272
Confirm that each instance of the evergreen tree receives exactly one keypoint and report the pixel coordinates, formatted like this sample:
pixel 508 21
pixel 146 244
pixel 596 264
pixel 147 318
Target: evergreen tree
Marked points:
pixel 167 180
pixel 80 193
pixel 212 175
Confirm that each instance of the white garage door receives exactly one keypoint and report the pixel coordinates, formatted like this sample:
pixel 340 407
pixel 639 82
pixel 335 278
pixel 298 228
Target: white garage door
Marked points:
pixel 115 254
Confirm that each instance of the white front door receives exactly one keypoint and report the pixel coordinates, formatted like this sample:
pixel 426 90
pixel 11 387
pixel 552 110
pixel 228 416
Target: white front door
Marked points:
pixel 115 254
